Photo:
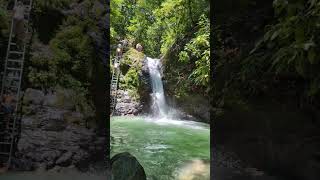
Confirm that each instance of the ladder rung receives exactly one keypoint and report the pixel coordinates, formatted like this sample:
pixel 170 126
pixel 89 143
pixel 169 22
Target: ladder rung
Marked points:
pixel 15 52
pixel 12 86
pixel 3 153
pixel 14 69
pixel 5 143
pixel 14 60
pixel 12 77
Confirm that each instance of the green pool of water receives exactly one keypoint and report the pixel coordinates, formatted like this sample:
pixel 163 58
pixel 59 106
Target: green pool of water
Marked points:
pixel 163 147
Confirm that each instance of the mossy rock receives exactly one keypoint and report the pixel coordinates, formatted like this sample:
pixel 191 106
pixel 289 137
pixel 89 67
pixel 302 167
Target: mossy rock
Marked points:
pixel 126 167
pixel 133 58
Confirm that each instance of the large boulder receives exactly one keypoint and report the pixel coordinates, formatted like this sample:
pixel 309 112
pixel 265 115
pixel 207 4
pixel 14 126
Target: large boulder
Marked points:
pixel 124 166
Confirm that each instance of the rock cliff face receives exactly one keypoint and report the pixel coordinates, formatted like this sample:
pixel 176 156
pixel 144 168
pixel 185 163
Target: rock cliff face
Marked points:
pixel 54 135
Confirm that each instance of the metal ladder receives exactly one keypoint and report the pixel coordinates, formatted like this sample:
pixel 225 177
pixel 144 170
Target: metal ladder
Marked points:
pixel 11 83
pixel 114 85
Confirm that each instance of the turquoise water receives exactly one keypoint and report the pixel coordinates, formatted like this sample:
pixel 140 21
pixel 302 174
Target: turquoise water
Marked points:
pixel 165 148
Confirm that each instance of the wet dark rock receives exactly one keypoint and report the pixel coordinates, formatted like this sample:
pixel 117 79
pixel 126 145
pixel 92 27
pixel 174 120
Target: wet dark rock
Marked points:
pixel 80 159
pixel 65 159
pixel 21 164
pixel 145 88
pixel 53 122
pixel 124 166
pixel 50 155
pixel 194 107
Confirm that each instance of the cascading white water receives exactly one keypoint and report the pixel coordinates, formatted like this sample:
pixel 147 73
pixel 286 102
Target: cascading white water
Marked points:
pixel 159 106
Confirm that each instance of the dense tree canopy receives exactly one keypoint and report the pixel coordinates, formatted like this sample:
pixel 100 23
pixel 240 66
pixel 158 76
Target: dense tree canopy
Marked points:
pixel 177 30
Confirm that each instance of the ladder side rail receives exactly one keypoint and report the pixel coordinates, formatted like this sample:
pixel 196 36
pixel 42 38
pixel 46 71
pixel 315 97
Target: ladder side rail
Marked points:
pixel 7 55
pixel 13 134
pixel 114 85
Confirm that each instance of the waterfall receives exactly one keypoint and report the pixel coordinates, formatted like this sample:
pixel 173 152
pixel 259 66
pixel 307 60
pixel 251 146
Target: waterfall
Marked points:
pixel 159 106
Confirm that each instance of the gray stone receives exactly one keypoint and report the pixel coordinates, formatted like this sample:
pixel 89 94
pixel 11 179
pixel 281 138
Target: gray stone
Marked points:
pixel 73 117
pixel 33 96
pixel 50 100
pixel 50 155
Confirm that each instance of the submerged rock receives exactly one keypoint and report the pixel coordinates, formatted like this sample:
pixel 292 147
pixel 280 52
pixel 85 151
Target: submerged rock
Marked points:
pixel 124 166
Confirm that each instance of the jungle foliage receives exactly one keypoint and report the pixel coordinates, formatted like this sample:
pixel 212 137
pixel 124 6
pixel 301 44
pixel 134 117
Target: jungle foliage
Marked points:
pixel 68 59
pixel 177 30
pixel 62 53
pixel 283 64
